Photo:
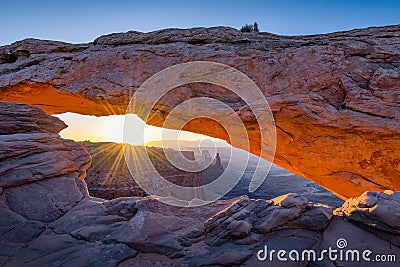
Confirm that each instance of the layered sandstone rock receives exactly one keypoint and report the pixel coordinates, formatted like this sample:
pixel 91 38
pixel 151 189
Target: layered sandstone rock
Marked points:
pixel 47 218
pixel 379 212
pixel 290 222
pixel 335 97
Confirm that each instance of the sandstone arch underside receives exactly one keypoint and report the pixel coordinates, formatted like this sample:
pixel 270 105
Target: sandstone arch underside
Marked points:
pixel 335 97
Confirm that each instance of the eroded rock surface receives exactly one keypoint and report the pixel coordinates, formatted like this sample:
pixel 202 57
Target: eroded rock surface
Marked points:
pixel 47 217
pixel 377 211
pixel 335 97
pixel 235 235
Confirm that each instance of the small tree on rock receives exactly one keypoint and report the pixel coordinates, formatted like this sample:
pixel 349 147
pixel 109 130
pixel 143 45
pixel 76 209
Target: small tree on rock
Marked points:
pixel 247 28
pixel 250 28
pixel 255 27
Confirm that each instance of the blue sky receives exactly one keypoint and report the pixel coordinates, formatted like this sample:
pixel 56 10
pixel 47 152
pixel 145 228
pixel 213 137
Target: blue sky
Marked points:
pixel 82 21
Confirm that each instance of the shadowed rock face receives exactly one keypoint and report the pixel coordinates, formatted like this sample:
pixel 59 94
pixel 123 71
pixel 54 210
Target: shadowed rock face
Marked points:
pixel 335 97
pixel 48 219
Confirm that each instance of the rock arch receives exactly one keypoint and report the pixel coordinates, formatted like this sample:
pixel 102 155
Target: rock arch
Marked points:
pixel 335 97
